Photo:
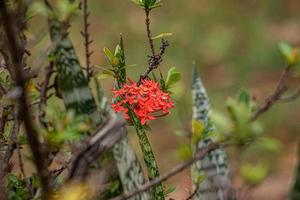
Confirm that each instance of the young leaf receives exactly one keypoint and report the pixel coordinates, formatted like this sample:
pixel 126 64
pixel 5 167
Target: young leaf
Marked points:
pixel 172 78
pixel 109 55
pixel 290 54
pixel 162 35
pixel 244 97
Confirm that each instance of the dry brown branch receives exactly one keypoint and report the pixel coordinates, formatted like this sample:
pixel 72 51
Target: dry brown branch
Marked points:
pixel 87 40
pixel 102 140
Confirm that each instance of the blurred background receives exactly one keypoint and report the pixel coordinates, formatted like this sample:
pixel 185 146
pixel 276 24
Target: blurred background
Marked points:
pixel 235 46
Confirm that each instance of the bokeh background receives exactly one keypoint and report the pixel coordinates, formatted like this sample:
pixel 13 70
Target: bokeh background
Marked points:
pixel 235 46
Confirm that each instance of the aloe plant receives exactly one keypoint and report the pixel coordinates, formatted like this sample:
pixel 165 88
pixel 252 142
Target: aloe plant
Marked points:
pixel 78 96
pixel 210 175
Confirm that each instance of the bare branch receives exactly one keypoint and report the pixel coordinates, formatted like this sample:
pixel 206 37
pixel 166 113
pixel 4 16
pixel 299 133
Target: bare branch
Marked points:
pixel 276 96
pixel 291 97
pixel 87 40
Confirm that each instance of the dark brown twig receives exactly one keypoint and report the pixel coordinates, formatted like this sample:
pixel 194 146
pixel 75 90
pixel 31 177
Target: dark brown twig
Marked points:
pixel 190 197
pixel 155 58
pixel 17 69
pixel 177 169
pixel 87 40
pixel 149 35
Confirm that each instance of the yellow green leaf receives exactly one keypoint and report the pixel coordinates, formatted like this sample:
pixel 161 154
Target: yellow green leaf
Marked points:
pixel 198 128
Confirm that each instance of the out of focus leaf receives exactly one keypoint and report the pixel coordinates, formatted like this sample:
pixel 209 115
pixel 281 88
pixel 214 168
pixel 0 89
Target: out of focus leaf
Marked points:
pixel 198 128
pixel 185 152
pixel 254 174
pixel 244 97
pixel 74 192
pixel 290 54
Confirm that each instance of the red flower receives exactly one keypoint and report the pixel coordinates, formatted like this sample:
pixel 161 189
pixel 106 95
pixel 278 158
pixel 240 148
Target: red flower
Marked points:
pixel 145 100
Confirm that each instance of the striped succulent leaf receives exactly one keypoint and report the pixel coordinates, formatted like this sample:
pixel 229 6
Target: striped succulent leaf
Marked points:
pixel 78 96
pixel 214 167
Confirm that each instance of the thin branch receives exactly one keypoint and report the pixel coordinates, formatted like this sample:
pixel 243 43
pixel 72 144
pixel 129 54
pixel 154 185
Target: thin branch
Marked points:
pixel 154 59
pixel 291 97
pixel 43 96
pixel 18 76
pixel 87 40
pixel 177 169
pixel 280 89
pixel 191 196
pixel 149 35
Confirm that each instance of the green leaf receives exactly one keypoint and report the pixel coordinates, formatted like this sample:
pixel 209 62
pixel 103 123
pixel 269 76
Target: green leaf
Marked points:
pixel 244 97
pixel 162 35
pixel 162 81
pixel 172 78
pixel 198 128
pixel 105 74
pixel 185 152
pixel 148 4
pixel 109 55
pixel 290 54
pixel 254 174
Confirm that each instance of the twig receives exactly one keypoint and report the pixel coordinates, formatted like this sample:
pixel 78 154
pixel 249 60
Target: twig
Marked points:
pixel 43 96
pixel 18 76
pixel 179 168
pixel 275 96
pixel 190 197
pixel 87 40
pixel 291 97
pixel 149 35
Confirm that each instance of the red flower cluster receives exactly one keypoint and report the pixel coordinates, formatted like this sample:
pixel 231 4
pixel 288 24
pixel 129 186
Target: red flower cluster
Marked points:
pixel 145 100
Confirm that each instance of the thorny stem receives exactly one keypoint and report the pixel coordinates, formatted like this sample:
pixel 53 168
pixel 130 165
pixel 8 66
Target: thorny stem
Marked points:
pixel 87 40
pixel 18 76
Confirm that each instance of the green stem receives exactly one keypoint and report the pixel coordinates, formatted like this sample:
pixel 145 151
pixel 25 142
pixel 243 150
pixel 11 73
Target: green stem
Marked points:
pixel 149 158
